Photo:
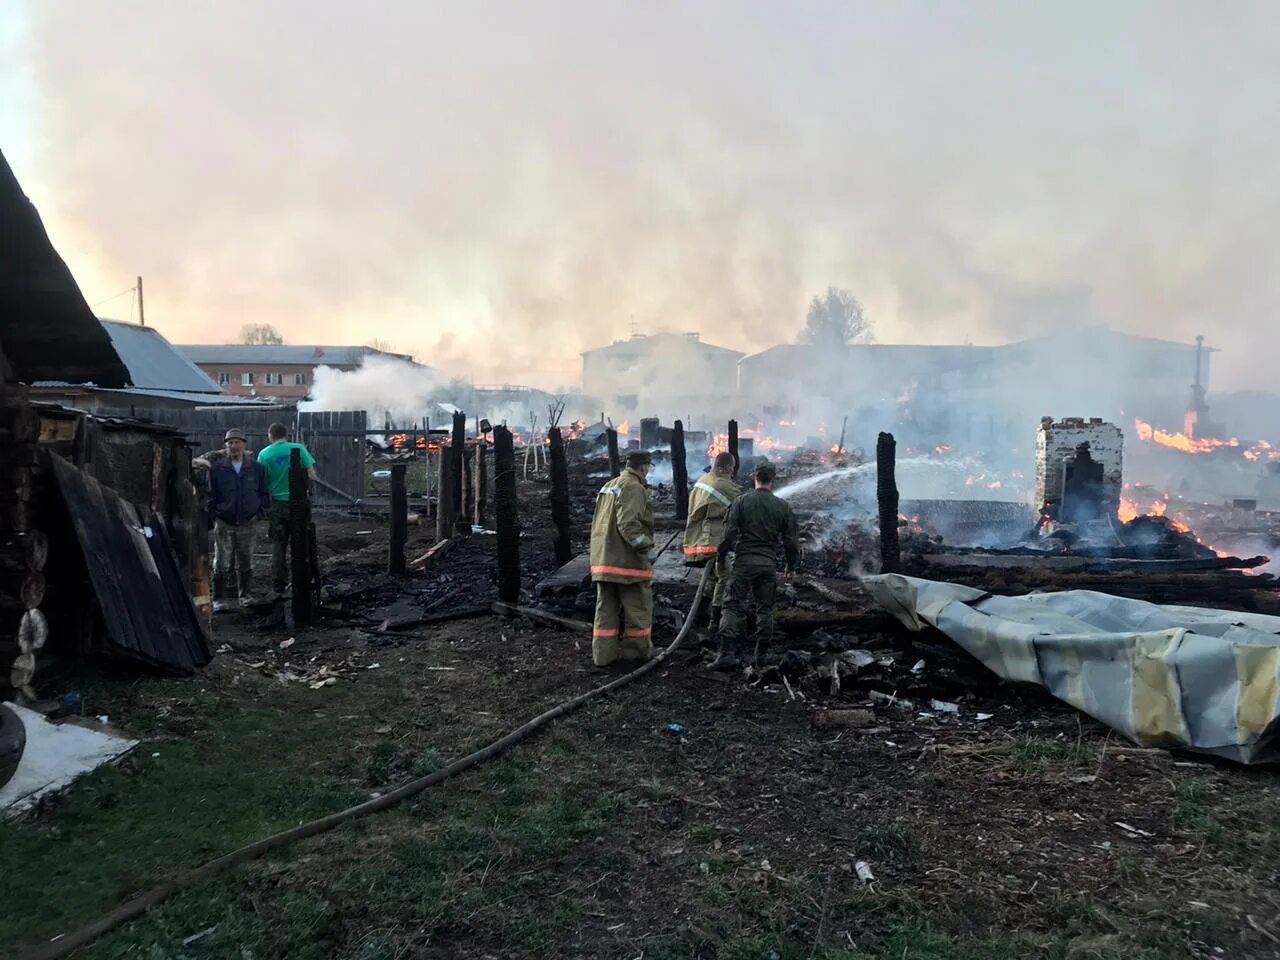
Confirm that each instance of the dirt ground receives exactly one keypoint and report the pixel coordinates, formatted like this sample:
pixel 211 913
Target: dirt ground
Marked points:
pixel 688 815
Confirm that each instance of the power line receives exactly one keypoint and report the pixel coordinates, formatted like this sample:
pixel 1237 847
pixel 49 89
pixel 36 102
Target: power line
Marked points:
pixel 114 297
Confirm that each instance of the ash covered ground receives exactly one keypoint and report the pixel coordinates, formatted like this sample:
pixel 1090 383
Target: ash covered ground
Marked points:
pixel 690 815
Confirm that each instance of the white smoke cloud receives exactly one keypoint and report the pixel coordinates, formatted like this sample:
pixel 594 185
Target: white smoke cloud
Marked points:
pixel 382 387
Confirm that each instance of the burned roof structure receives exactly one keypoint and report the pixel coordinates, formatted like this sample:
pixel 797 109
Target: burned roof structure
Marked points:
pixel 47 331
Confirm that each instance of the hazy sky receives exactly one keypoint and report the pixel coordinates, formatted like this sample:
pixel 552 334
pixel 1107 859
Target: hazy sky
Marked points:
pixel 498 186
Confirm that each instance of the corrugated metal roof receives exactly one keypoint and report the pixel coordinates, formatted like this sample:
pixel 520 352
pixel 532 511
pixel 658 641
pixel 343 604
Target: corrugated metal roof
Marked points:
pixel 154 363
pixel 283 353
pixel 130 393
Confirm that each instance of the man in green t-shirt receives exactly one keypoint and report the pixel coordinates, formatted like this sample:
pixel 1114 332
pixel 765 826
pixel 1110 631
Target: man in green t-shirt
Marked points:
pixel 274 459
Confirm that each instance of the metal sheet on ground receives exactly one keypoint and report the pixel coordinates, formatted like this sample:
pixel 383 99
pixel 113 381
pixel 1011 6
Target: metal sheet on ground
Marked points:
pixel 56 754
pixel 1164 676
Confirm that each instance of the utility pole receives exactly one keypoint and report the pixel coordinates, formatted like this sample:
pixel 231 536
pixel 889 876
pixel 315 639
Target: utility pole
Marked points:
pixel 142 313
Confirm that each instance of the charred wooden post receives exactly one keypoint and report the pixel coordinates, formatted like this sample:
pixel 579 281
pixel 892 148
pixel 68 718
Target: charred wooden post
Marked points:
pixel 445 515
pixel 560 496
pixel 648 433
pixel 887 495
pixel 313 558
pixel 299 550
pixel 679 471
pixel 468 488
pixel 615 462
pixel 733 445
pixel 399 520
pixel 482 482
pixel 506 515
pixel 428 478
pixel 459 444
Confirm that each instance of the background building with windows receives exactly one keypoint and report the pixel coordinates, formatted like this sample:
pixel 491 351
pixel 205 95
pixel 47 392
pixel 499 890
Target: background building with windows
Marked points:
pixel 274 370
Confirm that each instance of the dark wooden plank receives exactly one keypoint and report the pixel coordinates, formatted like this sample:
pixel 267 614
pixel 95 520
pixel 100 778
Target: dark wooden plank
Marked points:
pixel 140 589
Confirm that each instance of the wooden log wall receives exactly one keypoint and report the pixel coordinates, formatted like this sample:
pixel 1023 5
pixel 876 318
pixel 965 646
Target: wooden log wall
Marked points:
pixel 50 607
pixel 24 547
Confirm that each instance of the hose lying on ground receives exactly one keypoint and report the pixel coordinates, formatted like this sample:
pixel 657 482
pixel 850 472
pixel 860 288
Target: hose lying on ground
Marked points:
pixel 140 904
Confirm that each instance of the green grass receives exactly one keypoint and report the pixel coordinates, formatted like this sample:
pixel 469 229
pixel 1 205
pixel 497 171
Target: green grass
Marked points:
pixel 885 842
pixel 209 776
pixel 824 920
pixel 1030 754
pixel 538 853
pixel 1193 811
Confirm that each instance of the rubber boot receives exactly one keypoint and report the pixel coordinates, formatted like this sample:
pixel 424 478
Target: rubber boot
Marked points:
pixel 728 658
pixel 762 651
pixel 703 617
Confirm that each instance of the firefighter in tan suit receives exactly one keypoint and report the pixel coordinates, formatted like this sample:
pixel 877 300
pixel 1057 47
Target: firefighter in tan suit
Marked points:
pixel 621 538
pixel 709 503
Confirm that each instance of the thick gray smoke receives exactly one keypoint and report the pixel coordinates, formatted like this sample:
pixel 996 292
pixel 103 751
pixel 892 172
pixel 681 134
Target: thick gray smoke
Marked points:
pixel 498 186
pixel 383 387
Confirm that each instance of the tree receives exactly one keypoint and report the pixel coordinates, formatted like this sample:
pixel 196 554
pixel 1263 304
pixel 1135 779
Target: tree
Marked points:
pixel 259 333
pixel 836 320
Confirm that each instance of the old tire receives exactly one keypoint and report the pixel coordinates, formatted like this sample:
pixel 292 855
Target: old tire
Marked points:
pixel 13 740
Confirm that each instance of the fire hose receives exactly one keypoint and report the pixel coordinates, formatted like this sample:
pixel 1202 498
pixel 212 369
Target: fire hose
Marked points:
pixel 132 909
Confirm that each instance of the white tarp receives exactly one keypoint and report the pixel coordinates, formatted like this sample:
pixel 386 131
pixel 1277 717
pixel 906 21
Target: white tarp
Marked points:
pixel 56 753
pixel 1163 675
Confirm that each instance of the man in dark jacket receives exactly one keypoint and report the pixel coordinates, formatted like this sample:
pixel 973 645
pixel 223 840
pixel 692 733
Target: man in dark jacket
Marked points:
pixel 758 521
pixel 238 498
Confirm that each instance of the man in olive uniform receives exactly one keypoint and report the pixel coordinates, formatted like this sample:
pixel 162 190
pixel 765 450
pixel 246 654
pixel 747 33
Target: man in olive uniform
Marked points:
pixel 709 504
pixel 757 522
pixel 621 538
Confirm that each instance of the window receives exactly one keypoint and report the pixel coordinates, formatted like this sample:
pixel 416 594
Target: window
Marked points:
pixel 246 379
pixel 275 379
pixel 299 379
pixel 224 378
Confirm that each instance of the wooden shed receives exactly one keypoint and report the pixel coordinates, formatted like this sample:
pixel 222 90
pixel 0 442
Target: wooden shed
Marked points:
pixel 103 534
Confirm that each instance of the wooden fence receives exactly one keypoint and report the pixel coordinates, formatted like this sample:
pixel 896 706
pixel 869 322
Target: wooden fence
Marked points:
pixel 336 438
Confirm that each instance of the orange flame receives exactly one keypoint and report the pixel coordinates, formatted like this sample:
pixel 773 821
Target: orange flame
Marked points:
pixel 1180 441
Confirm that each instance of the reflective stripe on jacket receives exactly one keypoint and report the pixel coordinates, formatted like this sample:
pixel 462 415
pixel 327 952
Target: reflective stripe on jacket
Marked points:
pixel 622 531
pixel 709 503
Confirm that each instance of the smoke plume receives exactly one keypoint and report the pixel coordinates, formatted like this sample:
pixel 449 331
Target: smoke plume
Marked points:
pixel 498 186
